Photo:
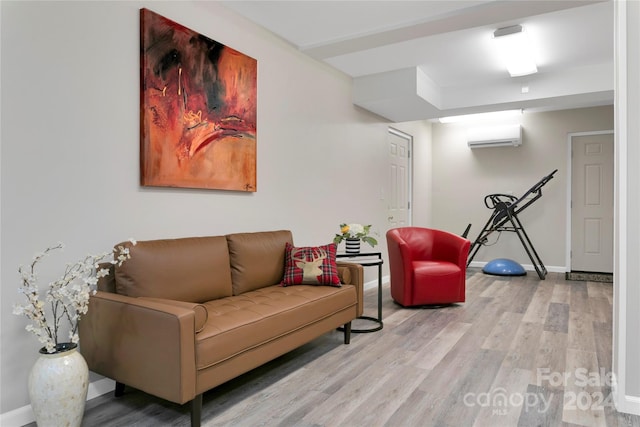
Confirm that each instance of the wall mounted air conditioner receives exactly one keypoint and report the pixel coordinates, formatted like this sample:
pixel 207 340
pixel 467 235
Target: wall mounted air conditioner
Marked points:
pixel 494 136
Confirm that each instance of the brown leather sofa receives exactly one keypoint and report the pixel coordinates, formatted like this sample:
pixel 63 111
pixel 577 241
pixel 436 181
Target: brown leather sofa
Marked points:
pixel 185 315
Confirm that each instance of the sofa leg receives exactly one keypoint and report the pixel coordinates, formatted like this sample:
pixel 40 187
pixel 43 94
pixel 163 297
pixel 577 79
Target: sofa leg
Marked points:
pixel 196 410
pixel 119 389
pixel 347 333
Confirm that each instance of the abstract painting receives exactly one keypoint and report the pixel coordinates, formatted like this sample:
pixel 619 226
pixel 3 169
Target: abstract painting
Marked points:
pixel 198 109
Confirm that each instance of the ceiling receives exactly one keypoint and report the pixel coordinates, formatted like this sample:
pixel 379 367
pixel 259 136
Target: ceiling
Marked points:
pixel 414 60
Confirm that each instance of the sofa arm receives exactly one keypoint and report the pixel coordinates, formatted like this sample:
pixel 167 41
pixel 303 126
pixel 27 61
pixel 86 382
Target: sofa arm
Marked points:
pixel 199 310
pixel 353 274
pixel 148 345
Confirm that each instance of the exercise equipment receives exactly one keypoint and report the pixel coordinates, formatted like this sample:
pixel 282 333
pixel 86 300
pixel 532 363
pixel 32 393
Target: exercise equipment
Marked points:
pixel 504 217
pixel 504 267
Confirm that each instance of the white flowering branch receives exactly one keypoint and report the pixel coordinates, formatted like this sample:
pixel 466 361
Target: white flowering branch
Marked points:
pixel 68 297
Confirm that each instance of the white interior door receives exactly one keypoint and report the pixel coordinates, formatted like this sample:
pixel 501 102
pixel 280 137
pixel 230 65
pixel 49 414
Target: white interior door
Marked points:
pixel 592 203
pixel 399 200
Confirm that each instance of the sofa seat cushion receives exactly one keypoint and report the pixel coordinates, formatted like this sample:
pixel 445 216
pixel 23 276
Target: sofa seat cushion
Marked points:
pixel 240 323
pixel 424 270
pixel 437 281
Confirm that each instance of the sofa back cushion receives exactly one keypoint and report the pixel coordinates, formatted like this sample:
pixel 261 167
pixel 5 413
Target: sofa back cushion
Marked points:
pixel 193 269
pixel 257 259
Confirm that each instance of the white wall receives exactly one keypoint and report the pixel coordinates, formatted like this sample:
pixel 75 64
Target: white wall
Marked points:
pixel 70 147
pixel 462 177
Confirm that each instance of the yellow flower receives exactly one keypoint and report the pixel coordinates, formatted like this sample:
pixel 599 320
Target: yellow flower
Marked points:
pixel 344 229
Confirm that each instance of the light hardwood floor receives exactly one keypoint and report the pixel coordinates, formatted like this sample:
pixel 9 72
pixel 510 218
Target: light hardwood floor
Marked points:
pixel 519 352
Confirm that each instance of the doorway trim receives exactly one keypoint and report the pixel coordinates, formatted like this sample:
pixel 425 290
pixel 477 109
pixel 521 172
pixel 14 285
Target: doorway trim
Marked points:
pixel 570 137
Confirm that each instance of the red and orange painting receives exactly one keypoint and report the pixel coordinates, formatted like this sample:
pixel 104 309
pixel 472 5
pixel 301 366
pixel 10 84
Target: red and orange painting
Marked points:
pixel 198 109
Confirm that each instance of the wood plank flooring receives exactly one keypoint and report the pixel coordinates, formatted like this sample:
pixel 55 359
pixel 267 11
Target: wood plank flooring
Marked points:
pixel 519 352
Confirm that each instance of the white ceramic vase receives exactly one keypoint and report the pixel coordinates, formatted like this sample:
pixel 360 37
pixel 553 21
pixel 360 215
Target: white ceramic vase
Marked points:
pixel 352 246
pixel 58 385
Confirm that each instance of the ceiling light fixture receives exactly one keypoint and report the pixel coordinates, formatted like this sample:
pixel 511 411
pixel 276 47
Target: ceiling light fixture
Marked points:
pixel 516 50
pixel 481 116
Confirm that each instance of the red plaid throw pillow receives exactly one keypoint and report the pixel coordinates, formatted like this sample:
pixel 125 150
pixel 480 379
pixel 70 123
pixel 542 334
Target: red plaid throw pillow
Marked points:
pixel 311 265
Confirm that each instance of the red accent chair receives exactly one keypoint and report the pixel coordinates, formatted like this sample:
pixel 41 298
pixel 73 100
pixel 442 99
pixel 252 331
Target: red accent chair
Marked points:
pixel 428 267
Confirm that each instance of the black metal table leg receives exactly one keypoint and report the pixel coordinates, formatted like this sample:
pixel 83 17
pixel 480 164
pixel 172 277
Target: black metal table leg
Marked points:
pixel 369 263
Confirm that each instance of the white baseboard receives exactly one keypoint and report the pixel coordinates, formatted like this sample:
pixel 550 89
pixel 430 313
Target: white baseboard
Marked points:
pixel 24 415
pixel 100 387
pixel 374 283
pixel 527 267
pixel 625 403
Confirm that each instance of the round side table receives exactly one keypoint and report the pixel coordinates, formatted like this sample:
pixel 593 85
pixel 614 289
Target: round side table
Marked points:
pixel 373 259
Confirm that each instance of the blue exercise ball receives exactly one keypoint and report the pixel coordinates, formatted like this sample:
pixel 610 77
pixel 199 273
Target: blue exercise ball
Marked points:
pixel 504 267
